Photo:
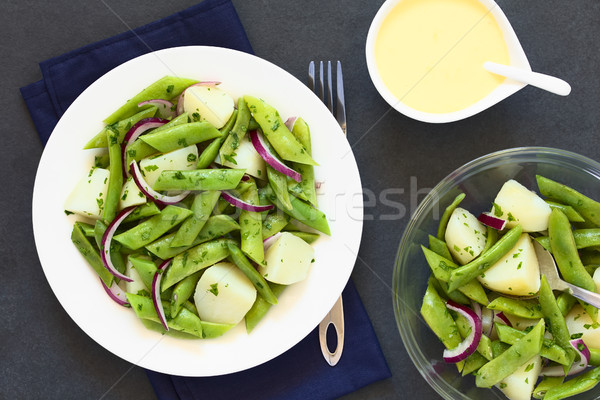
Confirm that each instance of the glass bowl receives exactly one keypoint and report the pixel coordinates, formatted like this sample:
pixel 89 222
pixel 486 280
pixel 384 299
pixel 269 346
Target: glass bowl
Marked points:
pixel 480 180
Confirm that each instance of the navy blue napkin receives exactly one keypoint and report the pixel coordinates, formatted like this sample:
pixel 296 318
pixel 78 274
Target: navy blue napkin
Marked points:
pixel 301 372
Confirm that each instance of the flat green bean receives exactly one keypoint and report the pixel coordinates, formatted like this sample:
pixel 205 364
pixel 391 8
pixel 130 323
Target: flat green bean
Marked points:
pixel 579 384
pixel 307 185
pixel 588 208
pixel 212 330
pixel 277 134
pixel 115 178
pixel 215 227
pixel 439 246
pixel 437 317
pixel 199 179
pixel 569 211
pixel 209 154
pixel 182 291
pixel 546 383
pixel 185 321
pixel 238 131
pixel 274 223
pixel 442 288
pixel 555 320
pixel 301 211
pixel 145 267
pixel 179 136
pixel 153 228
pixel 550 350
pixel 193 260
pixel 142 211
pixel 583 238
pixel 260 307
pixel 513 358
pixel 90 254
pixel 441 233
pixel 567 258
pixel 565 302
pixel 87 229
pixel 467 272
pixel 165 88
pixel 101 140
pixel 251 226
pixel 140 149
pixel 307 236
pixel 202 207
pixel 589 257
pixel 490 239
pixel 485 344
pixel 251 273
pixel 517 307
pixel 473 363
pixel 594 356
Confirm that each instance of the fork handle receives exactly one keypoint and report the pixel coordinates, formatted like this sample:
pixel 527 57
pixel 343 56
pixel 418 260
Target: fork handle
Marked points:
pixel 584 295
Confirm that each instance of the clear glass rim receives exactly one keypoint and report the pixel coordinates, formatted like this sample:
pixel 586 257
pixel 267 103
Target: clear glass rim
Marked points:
pixel 530 153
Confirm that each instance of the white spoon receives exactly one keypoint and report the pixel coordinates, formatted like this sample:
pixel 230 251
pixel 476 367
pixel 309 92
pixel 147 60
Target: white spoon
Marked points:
pixel 542 81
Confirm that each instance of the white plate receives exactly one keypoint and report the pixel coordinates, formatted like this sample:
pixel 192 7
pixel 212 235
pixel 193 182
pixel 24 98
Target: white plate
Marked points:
pixel 301 307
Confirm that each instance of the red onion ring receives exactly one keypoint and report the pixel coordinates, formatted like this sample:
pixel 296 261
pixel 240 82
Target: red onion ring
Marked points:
pixel 492 221
pixel 165 107
pixel 180 98
pixel 115 293
pixel 268 242
pixel 107 239
pixel 291 121
pixel 499 316
pixel 577 366
pixel 234 201
pixel 487 321
pixel 150 193
pixel 156 292
pixel 259 144
pixel 132 134
pixel 470 343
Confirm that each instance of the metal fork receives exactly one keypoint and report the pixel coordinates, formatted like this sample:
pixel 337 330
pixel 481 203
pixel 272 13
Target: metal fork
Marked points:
pixel 335 317
pixel 548 268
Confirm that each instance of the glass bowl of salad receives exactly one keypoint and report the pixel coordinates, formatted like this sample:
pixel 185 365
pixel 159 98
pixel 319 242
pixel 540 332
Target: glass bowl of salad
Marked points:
pixel 480 180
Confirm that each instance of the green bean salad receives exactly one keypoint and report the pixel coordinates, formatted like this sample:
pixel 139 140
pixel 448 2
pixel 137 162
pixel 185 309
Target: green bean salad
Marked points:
pixel 496 315
pixel 199 208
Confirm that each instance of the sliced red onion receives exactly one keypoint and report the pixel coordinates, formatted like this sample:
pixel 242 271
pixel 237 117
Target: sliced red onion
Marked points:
pixel 234 201
pixel 166 109
pixel 487 321
pixel 476 308
pixel 262 149
pixel 107 239
pixel 499 316
pixel 268 242
pixel 180 98
pixel 116 293
pixel 577 366
pixel 492 221
pixel 150 193
pixel 156 293
pixel 291 121
pixel 132 134
pixel 470 343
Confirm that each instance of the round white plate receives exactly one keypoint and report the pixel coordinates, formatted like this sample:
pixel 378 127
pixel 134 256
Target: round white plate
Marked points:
pixel 301 306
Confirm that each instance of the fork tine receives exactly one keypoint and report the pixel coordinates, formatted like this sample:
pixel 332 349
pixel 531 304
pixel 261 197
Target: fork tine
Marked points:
pixel 329 88
pixel 340 107
pixel 311 76
pixel 321 82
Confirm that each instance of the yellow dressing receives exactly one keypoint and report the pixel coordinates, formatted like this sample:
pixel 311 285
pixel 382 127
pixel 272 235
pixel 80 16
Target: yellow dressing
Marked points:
pixel 430 53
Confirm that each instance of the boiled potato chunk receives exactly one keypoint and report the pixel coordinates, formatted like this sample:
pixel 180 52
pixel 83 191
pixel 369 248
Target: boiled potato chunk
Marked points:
pixel 519 205
pixel 288 260
pixel 224 294
pixel 578 321
pixel 131 195
pixel 517 273
pixel 465 236
pixel 247 157
pixel 88 196
pixel 519 385
pixel 179 160
pixel 208 103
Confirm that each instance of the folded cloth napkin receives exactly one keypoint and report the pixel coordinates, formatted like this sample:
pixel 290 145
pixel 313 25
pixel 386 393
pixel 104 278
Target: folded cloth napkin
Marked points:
pixel 299 373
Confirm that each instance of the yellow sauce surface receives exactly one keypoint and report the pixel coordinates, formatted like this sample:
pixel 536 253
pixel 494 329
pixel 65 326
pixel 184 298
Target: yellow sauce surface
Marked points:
pixel 430 53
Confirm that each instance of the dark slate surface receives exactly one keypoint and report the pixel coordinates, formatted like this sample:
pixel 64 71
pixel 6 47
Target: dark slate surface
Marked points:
pixel 45 355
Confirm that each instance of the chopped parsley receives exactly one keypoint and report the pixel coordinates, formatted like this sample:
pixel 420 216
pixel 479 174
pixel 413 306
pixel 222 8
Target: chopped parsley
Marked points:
pixel 170 88
pixel 497 210
pixel 214 289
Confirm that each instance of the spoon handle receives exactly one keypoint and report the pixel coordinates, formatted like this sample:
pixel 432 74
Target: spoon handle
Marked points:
pixel 585 295
pixel 542 81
